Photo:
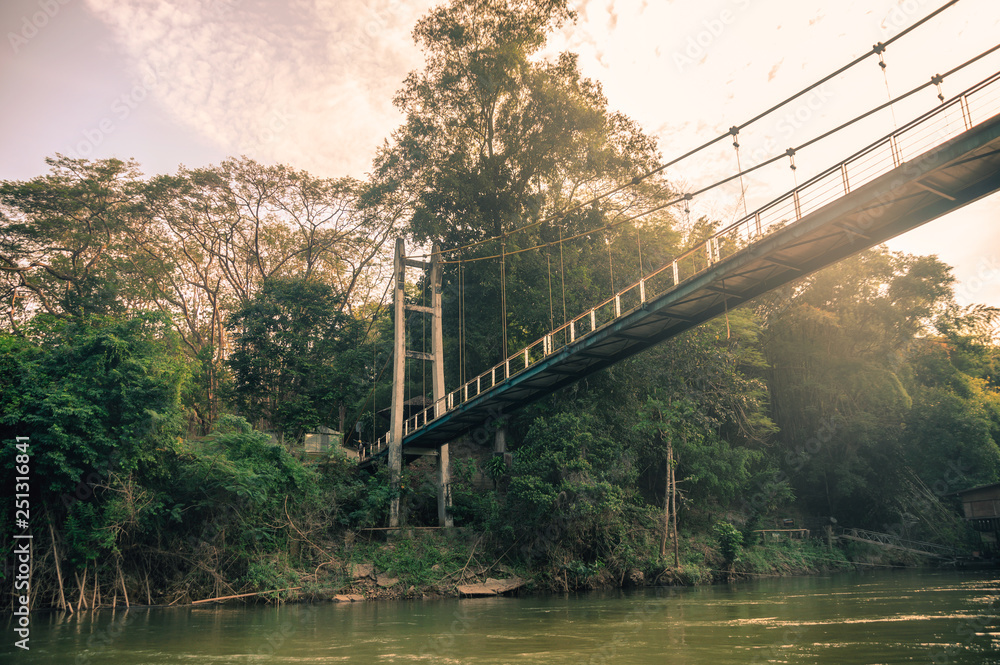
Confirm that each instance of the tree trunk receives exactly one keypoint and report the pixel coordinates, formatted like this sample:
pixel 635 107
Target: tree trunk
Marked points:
pixel 666 511
pixel 121 578
pixel 59 577
pixel 673 504
pixel 82 586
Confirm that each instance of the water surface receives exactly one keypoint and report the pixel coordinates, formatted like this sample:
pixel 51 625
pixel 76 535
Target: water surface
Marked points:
pixel 880 617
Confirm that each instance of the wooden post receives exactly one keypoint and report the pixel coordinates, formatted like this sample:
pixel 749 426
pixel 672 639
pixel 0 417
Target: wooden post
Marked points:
pixel 398 378
pixel 437 350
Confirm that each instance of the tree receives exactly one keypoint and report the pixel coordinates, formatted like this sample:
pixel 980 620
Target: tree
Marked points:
pixel 65 235
pixel 838 351
pixel 297 359
pixel 703 420
pixel 664 421
pixel 222 231
pixel 96 237
pixel 99 401
pixel 953 429
pixel 92 394
pixel 569 497
pixel 496 138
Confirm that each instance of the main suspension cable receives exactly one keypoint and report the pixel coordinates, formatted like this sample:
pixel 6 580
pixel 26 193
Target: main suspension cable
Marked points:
pixel 639 178
pixel 762 164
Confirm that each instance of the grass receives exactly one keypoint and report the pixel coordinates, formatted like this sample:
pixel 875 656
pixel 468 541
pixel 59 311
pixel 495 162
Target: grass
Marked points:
pixel 421 560
pixel 790 557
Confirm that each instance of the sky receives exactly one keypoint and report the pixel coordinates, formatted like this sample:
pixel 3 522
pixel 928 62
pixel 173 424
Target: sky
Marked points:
pixel 310 83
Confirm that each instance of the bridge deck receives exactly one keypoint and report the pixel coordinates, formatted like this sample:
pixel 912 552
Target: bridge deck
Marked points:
pixel 912 192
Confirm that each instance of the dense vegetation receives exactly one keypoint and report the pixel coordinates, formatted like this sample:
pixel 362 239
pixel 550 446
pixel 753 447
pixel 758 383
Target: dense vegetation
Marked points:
pixel 168 341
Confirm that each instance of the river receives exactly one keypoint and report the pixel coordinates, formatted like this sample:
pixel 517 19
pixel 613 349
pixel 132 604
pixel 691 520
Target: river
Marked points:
pixel 875 617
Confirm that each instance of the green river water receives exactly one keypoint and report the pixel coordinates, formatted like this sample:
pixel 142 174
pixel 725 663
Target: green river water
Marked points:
pixel 876 617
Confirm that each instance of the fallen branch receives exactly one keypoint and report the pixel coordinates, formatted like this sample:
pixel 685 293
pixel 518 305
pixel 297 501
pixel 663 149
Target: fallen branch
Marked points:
pixel 244 595
pixel 469 560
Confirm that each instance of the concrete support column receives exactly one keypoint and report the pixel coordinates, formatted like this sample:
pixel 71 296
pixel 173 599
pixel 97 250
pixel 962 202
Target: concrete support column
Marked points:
pixel 437 350
pixel 398 378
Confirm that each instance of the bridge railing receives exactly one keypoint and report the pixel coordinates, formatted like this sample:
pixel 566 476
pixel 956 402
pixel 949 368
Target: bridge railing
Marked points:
pixel 947 120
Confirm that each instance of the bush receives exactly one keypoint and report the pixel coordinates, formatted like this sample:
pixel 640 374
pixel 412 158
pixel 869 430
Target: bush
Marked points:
pixel 730 542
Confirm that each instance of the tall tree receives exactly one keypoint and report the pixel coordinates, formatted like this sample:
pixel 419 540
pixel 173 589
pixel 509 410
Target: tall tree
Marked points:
pixel 837 348
pixel 223 231
pixel 703 417
pixel 497 137
pixel 64 235
pixel 297 358
pixel 97 237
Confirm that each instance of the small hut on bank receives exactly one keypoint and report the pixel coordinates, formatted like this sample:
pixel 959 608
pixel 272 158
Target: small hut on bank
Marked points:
pixel 981 507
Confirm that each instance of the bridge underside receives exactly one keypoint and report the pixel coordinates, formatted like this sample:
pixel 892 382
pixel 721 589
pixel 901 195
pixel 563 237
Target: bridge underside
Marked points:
pixel 944 179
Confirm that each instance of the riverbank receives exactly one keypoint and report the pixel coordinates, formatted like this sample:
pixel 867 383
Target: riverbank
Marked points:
pixel 425 564
pixel 429 564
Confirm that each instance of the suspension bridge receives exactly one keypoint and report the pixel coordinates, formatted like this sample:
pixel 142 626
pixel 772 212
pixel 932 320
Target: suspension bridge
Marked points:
pixel 941 160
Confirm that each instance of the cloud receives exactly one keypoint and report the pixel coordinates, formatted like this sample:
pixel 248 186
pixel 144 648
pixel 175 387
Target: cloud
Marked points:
pixel 308 82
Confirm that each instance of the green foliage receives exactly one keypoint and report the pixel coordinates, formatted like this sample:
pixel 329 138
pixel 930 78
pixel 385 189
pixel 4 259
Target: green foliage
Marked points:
pixel 954 425
pixel 242 468
pixel 71 231
pixel 297 355
pixel 209 385
pixel 863 393
pixel 271 573
pixel 495 468
pixel 87 533
pixel 730 542
pixel 495 137
pixel 373 507
pixel 567 479
pixel 421 558
pixel 93 394
pixel 705 400
pixel 237 502
pixel 470 505
pixel 790 557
